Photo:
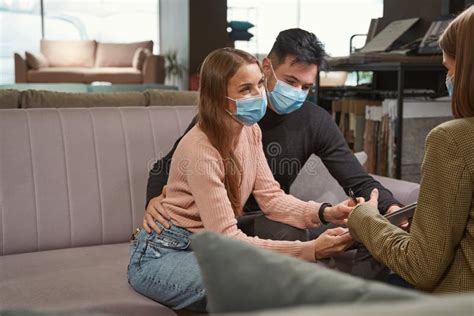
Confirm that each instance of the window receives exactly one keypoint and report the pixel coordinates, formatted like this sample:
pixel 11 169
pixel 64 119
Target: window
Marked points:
pixel 20 31
pixel 333 21
pixel 102 20
pixel 269 18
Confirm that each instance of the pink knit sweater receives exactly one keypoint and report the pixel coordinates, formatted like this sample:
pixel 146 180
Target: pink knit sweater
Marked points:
pixel 196 198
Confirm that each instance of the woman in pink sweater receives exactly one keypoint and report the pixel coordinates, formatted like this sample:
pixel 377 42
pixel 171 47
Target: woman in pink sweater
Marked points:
pixel 215 168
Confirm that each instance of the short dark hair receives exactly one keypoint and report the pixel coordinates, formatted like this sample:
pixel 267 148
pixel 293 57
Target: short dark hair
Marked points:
pixel 304 45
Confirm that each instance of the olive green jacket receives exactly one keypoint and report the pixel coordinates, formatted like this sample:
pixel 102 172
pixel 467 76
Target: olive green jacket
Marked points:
pixel 438 253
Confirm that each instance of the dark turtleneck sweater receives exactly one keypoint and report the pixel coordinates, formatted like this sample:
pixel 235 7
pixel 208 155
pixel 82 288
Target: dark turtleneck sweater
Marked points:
pixel 288 142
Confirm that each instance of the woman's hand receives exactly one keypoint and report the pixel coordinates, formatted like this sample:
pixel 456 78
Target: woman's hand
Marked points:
pixel 339 213
pixel 374 198
pixel 332 242
pixel 155 212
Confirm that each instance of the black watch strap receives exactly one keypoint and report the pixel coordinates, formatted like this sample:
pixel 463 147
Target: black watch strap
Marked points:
pixel 321 213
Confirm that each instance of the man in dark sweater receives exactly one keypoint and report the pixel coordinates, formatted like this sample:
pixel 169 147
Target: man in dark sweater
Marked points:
pixel 292 130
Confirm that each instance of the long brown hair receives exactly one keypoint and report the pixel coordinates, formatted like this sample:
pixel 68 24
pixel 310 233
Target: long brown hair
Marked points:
pixel 218 68
pixel 457 42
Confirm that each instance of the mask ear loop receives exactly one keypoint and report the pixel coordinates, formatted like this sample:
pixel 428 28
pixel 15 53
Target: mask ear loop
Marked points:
pixel 273 70
pixel 227 110
pixel 232 115
pixel 267 90
pixel 276 78
pixel 253 96
pixel 274 75
pixel 450 77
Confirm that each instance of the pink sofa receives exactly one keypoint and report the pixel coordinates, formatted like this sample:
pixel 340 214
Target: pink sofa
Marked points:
pixel 88 61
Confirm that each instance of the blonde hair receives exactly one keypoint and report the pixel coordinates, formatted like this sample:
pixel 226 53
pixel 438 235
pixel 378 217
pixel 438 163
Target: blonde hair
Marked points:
pixel 457 42
pixel 217 70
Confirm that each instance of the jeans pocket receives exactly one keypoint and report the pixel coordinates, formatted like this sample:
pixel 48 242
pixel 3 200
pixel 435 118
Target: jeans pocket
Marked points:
pixel 169 240
pixel 153 250
pixel 150 252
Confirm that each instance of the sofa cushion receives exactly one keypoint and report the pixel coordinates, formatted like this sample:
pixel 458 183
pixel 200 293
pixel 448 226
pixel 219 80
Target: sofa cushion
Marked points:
pixel 53 99
pixel 163 97
pixel 453 304
pixel 314 182
pixel 240 25
pixel 113 75
pixel 57 75
pixel 77 177
pixel 77 279
pixel 139 57
pixel 236 35
pixel 69 53
pixel 118 54
pixel 9 99
pixel 36 61
pixel 128 87
pixel 282 280
pixel 405 192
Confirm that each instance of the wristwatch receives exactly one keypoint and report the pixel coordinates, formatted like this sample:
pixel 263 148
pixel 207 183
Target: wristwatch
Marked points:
pixel 321 213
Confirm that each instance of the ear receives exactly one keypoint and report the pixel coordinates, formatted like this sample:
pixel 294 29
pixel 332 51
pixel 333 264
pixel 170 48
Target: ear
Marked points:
pixel 267 66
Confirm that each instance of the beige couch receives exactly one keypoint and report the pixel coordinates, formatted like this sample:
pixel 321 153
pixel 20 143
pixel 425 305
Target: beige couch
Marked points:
pixel 88 61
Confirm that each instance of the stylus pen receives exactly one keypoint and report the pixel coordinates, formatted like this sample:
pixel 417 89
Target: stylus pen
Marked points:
pixel 352 196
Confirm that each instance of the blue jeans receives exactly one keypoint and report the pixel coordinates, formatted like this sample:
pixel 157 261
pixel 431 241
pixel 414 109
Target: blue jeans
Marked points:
pixel 163 268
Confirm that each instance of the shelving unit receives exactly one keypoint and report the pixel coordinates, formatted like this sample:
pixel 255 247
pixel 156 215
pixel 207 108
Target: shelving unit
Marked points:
pixel 401 65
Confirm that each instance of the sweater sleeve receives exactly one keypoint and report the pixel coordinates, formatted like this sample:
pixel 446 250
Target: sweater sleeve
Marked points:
pixel 205 177
pixel 331 147
pixel 422 256
pixel 273 201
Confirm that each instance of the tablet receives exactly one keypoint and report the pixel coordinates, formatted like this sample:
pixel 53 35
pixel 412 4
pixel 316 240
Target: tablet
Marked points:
pixel 402 215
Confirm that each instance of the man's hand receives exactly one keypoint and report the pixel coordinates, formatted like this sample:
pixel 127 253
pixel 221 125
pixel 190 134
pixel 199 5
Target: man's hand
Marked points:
pixel 339 213
pixel 155 211
pixel 352 203
pixel 332 242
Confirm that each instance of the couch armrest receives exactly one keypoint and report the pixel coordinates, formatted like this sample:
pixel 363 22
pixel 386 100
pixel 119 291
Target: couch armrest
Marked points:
pixel 405 192
pixel 21 69
pixel 154 69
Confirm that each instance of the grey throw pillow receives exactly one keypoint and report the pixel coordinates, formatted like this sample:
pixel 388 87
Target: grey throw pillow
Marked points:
pixel 453 304
pixel 240 277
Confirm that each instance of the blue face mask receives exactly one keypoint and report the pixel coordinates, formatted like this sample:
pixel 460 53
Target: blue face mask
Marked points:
pixel 285 98
pixel 449 85
pixel 249 110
